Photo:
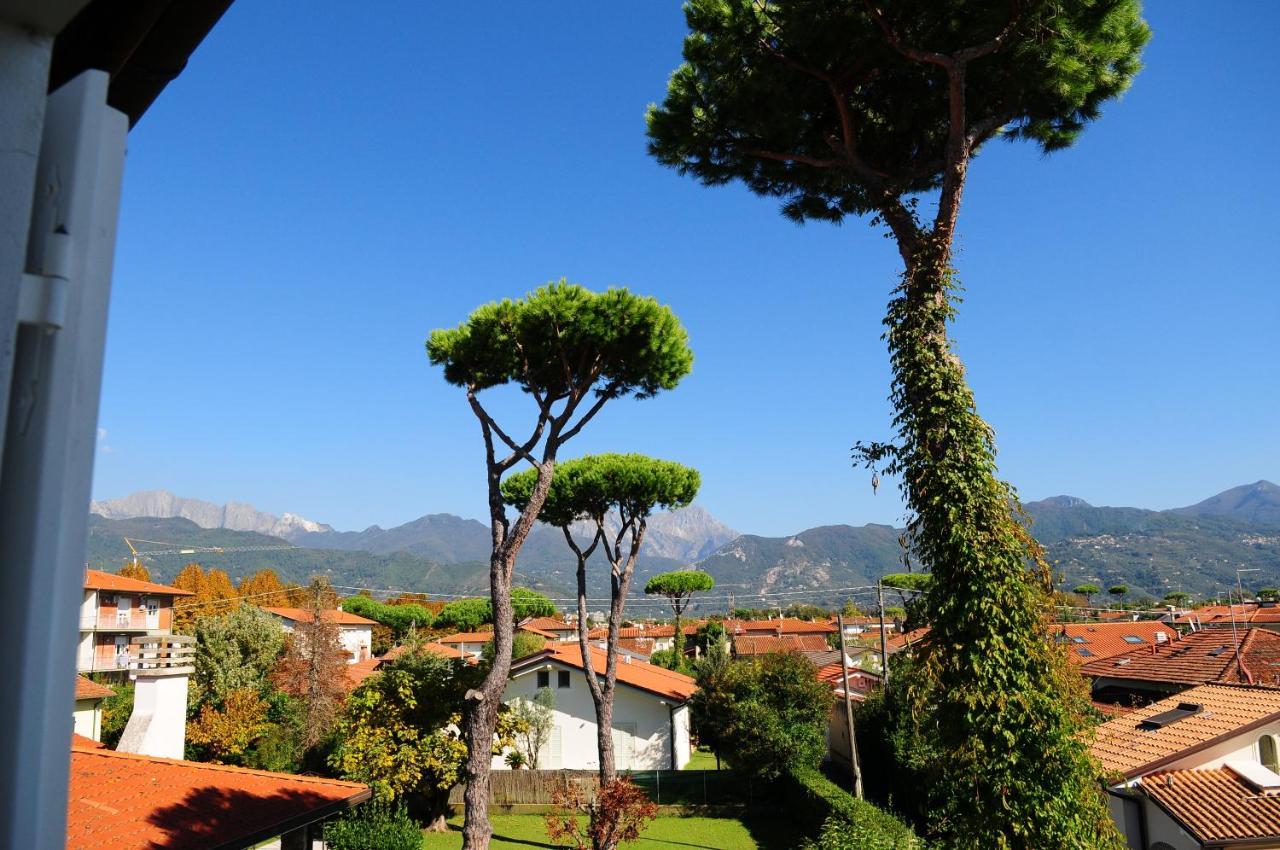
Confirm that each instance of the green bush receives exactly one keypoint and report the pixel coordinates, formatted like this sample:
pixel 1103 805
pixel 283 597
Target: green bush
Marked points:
pixel 374 827
pixel 841 821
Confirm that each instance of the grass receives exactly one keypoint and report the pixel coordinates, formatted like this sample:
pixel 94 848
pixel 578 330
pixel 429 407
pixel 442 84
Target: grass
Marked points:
pixel 521 832
pixel 701 760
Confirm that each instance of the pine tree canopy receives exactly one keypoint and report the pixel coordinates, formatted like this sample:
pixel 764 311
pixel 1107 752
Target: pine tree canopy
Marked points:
pixel 563 338
pixel 833 105
pixel 590 487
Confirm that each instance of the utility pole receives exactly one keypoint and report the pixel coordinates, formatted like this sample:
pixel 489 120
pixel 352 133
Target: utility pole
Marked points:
pixel 884 642
pixel 855 763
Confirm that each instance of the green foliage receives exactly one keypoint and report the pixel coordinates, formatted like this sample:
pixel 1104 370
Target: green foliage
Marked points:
pixel 561 336
pixel 1268 594
pixel 398 731
pixel 467 615
pixel 398 618
pixel 537 719
pixel 842 821
pixel 679 583
pixel 374 826
pixel 808 101
pixel 764 717
pixel 672 660
pixel 522 644
pixel 589 487
pixel 236 650
pixel 1177 597
pixel 115 713
pixel 1118 590
pixel 1086 590
pixel 907 581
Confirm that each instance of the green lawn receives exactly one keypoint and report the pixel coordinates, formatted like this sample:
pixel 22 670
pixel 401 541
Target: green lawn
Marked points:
pixel 521 832
pixel 701 760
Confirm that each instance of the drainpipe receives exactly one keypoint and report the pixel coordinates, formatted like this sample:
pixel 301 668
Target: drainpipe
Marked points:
pixel 671 716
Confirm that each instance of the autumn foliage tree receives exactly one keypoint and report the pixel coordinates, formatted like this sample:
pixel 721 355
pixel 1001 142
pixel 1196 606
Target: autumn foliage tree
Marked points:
pixel 617 812
pixel 214 594
pixel 135 569
pixel 571 351
pixel 855 107
pixel 314 667
pixel 225 732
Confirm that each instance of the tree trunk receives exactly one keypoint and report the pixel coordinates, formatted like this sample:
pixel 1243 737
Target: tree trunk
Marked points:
pixel 990 685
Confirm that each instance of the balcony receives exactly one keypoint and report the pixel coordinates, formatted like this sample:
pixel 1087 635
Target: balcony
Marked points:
pixel 133 621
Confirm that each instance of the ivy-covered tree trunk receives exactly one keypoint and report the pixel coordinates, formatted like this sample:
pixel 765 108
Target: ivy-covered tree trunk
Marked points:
pixel 993 692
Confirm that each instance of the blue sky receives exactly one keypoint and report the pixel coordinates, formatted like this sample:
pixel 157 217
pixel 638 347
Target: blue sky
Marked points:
pixel 317 192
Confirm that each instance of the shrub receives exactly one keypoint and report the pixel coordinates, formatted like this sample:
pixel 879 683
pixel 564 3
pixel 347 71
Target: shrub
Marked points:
pixel 374 827
pixel 617 814
pixel 842 821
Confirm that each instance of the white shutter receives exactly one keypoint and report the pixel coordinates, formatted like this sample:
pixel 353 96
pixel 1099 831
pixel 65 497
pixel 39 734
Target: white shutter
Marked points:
pixel 554 759
pixel 624 746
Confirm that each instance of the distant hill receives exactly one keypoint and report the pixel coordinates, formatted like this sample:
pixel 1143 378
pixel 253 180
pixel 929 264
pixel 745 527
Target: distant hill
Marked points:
pixel 1152 552
pixel 1257 503
pixel 402 571
pixel 1195 549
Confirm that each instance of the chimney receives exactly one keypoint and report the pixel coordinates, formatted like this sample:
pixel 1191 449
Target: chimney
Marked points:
pixel 160 666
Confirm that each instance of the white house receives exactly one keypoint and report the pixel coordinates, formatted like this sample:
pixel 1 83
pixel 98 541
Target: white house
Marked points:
pixel 88 710
pixel 1198 770
pixel 355 633
pixel 650 714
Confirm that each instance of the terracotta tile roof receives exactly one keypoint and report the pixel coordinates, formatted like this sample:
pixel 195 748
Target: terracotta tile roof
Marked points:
pixel 549 624
pixel 1204 656
pixel 534 630
pixel 1216 806
pixel 99 580
pixel 86 689
pixel 860 681
pixel 466 638
pixel 302 615
pixel 638 674
pixel 438 648
pixel 82 741
pixel 1122 745
pixel 1088 642
pixel 785 626
pixel 131 802
pixel 764 645
pixel 896 643
pixel 655 631
pixel 361 670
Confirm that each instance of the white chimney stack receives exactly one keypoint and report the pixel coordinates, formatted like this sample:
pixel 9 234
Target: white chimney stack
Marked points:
pixel 160 666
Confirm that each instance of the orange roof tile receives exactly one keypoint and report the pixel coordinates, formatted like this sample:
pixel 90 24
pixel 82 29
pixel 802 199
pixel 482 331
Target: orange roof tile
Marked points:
pixel 82 741
pixel 302 615
pixel 438 648
pixel 86 689
pixel 860 681
pixel 1087 642
pixel 1216 806
pixel 638 674
pixel 99 580
pixel 534 630
pixel 655 631
pixel 895 643
pixel 1122 745
pixel 1204 656
pixel 466 637
pixel 764 645
pixel 131 802
pixel 785 626
pixel 361 670
pixel 548 624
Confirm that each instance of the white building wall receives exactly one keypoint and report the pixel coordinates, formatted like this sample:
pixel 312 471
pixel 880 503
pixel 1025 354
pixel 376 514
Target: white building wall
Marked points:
pixel 642 725
pixel 357 640
pixel 1161 827
pixel 88 719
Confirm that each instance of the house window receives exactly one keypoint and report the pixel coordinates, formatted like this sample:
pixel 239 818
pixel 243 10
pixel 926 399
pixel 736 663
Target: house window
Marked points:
pixel 1083 652
pixel 544 679
pixel 562 679
pixel 1133 639
pixel 1267 753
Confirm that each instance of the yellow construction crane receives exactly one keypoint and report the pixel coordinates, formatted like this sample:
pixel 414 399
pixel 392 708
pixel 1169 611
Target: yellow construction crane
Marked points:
pixel 180 549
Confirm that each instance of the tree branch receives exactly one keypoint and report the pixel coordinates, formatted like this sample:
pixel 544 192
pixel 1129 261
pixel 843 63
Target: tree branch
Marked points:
pixel 490 426
pixel 591 412
pixel 804 159
pixel 924 56
pixel 978 51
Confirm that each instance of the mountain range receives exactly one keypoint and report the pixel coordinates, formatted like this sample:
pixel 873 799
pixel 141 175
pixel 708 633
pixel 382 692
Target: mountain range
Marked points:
pixel 1196 548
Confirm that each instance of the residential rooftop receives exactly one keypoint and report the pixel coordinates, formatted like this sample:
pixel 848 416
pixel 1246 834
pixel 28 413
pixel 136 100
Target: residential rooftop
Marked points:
pixel 1204 656
pixel 638 674
pixel 764 645
pixel 1134 743
pixel 1219 807
pixel 302 615
pixel 100 580
pixel 1087 642
pixel 132 802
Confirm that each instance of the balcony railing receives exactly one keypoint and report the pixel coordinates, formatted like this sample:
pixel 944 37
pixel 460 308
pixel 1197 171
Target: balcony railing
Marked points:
pixel 160 655
pixel 116 622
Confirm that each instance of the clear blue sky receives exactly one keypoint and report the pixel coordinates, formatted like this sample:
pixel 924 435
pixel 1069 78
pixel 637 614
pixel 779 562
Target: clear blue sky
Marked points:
pixel 318 191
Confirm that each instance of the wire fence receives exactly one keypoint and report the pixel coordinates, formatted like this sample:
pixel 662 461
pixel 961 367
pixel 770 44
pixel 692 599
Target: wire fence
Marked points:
pixel 691 788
